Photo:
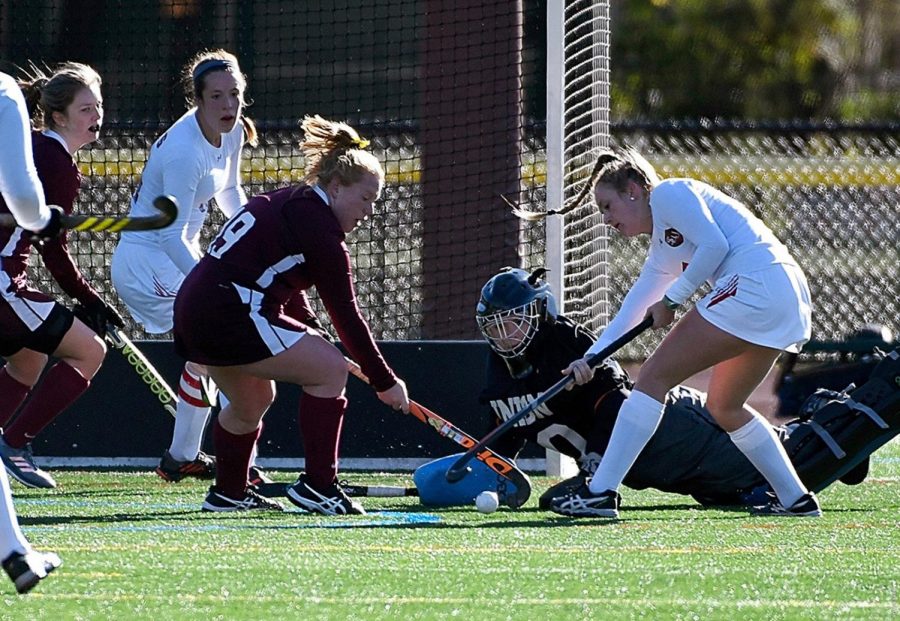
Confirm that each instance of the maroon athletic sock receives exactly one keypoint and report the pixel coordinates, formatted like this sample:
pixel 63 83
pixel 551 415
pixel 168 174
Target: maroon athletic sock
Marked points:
pixel 232 459
pixel 320 424
pixel 61 385
pixel 12 394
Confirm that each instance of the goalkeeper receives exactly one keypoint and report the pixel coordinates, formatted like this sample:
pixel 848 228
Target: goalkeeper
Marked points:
pixel 689 453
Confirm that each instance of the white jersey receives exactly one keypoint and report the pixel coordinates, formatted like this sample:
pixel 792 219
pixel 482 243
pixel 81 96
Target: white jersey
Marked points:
pixel 182 163
pixel 699 235
pixel 148 267
pixel 19 182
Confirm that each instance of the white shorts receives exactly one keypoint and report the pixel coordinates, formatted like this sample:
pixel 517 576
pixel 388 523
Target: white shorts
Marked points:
pixel 770 307
pixel 147 281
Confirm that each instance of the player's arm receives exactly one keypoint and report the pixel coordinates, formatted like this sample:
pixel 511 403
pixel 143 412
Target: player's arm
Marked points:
pixel 646 290
pixel 232 198
pixel 680 205
pixel 19 181
pixel 181 176
pixel 54 170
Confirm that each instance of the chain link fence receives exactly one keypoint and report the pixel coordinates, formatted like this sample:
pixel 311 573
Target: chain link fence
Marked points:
pixel 831 193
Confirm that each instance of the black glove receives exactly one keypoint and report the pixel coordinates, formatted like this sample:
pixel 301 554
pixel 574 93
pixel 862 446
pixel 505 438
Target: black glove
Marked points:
pixel 97 315
pixel 54 225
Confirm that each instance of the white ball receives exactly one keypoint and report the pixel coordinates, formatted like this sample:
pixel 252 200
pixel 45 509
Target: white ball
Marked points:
pixel 487 502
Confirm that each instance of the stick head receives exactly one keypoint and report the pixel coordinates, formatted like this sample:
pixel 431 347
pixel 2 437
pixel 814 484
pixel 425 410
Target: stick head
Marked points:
pixel 456 473
pixel 167 206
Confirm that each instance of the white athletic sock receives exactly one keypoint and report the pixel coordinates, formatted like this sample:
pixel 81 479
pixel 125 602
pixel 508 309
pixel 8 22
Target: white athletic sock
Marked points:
pixel 758 442
pixel 11 537
pixel 638 419
pixel 191 416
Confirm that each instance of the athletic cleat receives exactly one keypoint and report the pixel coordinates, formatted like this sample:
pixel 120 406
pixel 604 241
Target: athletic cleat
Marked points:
pixel 217 502
pixel 256 476
pixel 562 488
pixel 331 501
pixel 26 570
pixel 581 502
pixel 20 466
pixel 172 470
pixel 806 506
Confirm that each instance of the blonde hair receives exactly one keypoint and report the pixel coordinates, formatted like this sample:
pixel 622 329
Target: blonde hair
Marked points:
pixel 46 94
pixel 334 150
pixel 193 80
pixel 614 167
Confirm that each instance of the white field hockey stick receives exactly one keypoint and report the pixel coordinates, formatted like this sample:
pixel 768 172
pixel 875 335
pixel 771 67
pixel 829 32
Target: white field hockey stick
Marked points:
pixel 273 490
pixel 143 367
pixel 168 211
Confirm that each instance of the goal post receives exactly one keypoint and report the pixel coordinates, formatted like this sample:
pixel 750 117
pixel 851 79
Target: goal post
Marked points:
pixel 577 127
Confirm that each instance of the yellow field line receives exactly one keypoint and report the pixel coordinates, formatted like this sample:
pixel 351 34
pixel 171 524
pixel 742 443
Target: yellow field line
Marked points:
pixel 759 171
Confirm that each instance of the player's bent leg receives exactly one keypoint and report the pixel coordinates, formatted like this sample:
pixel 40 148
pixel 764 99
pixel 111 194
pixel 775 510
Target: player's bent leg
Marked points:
pixel 731 383
pixel 235 432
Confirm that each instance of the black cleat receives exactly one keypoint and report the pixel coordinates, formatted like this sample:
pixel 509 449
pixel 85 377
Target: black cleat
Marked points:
pixel 562 488
pixel 806 506
pixel 330 501
pixel 217 502
pixel 26 570
pixel 201 467
pixel 582 502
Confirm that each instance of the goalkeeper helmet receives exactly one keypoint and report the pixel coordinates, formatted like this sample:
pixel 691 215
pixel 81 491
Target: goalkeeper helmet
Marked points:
pixel 512 307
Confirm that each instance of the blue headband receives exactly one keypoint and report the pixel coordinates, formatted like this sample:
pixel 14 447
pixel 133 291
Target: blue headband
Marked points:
pixel 210 64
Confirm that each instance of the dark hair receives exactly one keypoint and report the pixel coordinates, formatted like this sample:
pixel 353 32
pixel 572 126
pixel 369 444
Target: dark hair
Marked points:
pixel 46 94
pixel 614 167
pixel 335 150
pixel 193 81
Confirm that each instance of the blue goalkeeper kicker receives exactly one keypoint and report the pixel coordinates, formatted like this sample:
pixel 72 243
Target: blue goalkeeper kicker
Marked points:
pixel 435 491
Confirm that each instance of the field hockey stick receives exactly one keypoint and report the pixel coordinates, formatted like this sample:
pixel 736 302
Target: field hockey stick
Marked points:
pixel 168 211
pixel 500 465
pixel 145 370
pixel 279 490
pixel 459 469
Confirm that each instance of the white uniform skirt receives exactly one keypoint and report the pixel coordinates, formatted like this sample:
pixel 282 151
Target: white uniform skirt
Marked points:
pixel 770 307
pixel 147 281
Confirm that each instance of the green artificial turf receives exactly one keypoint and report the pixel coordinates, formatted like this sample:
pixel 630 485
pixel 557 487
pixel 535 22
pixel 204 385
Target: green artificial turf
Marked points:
pixel 136 548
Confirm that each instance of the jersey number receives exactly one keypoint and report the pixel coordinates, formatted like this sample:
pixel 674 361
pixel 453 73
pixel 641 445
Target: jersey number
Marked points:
pixel 233 230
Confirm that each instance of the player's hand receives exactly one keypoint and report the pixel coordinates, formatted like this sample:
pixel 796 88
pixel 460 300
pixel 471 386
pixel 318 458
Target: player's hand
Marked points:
pixel 53 228
pixel 581 371
pixel 662 315
pixel 97 315
pixel 396 397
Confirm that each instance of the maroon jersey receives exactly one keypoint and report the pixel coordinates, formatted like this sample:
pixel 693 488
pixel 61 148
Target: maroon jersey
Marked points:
pixel 283 242
pixel 61 179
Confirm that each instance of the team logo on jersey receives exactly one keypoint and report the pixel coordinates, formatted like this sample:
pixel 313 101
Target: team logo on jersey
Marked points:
pixel 674 238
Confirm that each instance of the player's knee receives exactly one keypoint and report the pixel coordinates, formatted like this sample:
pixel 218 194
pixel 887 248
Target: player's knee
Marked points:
pixel 334 366
pixel 249 406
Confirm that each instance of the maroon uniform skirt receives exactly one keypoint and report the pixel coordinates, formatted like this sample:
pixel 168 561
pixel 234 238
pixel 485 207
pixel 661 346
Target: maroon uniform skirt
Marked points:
pixel 220 323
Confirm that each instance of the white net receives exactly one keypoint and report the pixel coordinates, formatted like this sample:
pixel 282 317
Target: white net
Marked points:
pixel 577 126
